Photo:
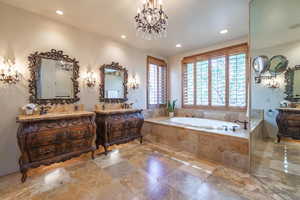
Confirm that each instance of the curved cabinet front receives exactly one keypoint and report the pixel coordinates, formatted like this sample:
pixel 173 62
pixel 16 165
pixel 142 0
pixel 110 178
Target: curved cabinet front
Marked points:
pixel 288 122
pixel 118 127
pixel 44 142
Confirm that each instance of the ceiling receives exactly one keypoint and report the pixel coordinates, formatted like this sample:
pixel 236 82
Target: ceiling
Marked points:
pixel 192 23
pixel 274 22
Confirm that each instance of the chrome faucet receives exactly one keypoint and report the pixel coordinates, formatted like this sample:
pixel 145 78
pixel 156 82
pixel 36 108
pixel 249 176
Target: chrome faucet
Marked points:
pixel 242 122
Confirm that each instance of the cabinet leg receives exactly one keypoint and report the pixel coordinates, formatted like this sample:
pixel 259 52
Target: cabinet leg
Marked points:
pixel 105 150
pixel 278 138
pixel 24 176
pixel 93 155
pixel 141 140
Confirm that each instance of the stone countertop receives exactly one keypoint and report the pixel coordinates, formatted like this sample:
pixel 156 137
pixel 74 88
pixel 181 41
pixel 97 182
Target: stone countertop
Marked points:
pixel 117 111
pixel 289 109
pixel 53 116
pixel 241 133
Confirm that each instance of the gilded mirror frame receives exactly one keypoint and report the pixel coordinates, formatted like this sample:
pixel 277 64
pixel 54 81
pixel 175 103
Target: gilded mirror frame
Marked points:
pixel 289 87
pixel 35 60
pixel 115 66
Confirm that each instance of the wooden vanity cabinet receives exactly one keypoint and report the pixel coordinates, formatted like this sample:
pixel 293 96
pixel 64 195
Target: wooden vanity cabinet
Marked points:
pixel 51 138
pixel 288 122
pixel 118 126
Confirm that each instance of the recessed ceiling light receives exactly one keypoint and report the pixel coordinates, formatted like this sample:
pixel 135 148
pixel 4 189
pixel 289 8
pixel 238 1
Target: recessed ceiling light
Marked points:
pixel 123 36
pixel 224 31
pixel 59 12
pixel 178 45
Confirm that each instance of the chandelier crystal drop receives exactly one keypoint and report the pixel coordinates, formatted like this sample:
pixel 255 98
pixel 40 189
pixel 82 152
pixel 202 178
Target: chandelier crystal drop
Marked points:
pixel 151 21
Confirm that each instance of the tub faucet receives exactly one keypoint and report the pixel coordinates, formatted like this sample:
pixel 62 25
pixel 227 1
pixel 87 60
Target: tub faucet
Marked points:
pixel 234 128
pixel 243 122
pixel 225 127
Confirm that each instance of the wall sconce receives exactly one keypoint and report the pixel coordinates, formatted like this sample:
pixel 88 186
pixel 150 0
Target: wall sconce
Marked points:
pixel 272 83
pixel 8 72
pixel 90 79
pixel 133 83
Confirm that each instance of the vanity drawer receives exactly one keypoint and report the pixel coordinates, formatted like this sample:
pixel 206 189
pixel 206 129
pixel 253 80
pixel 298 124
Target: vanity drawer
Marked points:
pixel 55 136
pixel 293 123
pixel 116 126
pixel 132 123
pixel 133 131
pixel 115 135
pixel 292 117
pixel 79 132
pixel 78 145
pixel 43 152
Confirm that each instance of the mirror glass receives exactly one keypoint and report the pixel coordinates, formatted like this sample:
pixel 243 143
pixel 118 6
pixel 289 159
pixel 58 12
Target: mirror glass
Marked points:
pixel 113 86
pixel 114 83
pixel 277 65
pixel 296 85
pixel 54 79
pixel 260 64
pixel 292 79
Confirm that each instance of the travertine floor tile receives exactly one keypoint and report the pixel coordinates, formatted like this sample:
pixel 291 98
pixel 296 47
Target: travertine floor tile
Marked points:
pixel 136 172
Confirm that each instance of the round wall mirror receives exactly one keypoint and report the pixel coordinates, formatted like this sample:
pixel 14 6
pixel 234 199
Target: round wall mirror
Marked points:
pixel 260 64
pixel 278 64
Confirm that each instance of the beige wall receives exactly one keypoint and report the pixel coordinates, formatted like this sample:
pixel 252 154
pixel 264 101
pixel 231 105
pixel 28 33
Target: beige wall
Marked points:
pixel 174 63
pixel 23 33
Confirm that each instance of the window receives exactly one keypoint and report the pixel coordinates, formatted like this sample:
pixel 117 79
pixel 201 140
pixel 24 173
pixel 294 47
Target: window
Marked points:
pixel 216 79
pixel 157 82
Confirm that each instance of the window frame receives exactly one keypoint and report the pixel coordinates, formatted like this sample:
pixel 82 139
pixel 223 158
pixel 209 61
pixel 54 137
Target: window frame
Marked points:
pixel 161 63
pixel 227 51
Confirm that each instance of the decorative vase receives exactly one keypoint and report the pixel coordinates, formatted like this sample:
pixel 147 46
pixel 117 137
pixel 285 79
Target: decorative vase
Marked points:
pixel 171 114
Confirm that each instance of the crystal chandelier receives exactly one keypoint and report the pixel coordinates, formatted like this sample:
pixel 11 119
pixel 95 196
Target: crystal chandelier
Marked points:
pixel 151 21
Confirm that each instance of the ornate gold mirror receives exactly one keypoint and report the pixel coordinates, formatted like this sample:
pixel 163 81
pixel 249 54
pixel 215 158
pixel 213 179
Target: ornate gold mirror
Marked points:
pixel 113 87
pixel 53 78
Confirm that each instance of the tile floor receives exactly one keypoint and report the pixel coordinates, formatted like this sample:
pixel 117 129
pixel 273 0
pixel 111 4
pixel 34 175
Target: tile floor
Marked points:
pixel 277 166
pixel 135 172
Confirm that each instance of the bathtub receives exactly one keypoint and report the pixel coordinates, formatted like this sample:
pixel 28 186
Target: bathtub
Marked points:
pixel 204 123
pixel 205 139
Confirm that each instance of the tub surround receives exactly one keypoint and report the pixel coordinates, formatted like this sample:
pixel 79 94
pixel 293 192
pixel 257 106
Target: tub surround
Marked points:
pixel 240 133
pixel 256 137
pixel 229 116
pixel 224 147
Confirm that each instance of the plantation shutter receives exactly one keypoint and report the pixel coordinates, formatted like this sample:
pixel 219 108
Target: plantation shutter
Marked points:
pixel 216 79
pixel 202 83
pixel 157 82
pixel 237 80
pixel 188 79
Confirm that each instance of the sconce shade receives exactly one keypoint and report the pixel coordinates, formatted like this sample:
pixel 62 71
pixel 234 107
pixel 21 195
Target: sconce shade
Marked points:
pixel 133 83
pixel 8 73
pixel 90 79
